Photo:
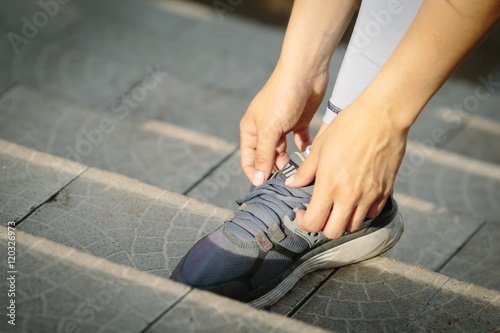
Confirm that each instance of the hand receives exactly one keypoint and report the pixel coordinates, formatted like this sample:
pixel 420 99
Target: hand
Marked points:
pixel 286 103
pixel 355 161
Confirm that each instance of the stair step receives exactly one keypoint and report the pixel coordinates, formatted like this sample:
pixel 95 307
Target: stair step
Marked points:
pixel 30 178
pixel 461 184
pixel 141 226
pixel 59 289
pixel 158 153
pixel 477 261
pixel 385 295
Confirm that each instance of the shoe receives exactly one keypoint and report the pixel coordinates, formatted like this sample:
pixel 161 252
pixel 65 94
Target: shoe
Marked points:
pixel 259 253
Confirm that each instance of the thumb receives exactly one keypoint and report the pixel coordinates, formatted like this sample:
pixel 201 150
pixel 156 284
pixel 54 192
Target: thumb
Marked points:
pixel 305 174
pixel 264 157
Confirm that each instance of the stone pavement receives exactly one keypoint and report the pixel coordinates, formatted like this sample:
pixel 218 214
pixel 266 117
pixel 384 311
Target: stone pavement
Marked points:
pixel 112 107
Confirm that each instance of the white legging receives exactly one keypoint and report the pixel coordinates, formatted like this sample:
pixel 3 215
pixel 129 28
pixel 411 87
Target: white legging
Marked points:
pixel 378 30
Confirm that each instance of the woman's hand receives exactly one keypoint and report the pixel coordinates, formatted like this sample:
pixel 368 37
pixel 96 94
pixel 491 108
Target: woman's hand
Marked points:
pixel 355 161
pixel 293 93
pixel 285 104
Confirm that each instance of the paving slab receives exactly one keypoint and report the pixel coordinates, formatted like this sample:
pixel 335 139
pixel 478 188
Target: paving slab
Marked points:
pixel 31 19
pixel 199 107
pixel 154 152
pixel 59 289
pixel 477 261
pixel 385 295
pixel 431 237
pixel 201 311
pixel 117 40
pixel 223 185
pixel 479 140
pixel 28 178
pixel 162 18
pixel 125 221
pixel 461 184
pixel 73 73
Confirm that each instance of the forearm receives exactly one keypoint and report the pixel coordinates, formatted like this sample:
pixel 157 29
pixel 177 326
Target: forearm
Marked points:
pixel 314 31
pixel 440 37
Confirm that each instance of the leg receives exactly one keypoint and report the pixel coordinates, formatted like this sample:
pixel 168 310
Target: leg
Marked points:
pixel 378 30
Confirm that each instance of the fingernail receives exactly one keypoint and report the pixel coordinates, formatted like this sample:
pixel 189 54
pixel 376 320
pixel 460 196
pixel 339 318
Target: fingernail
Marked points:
pixel 258 178
pixel 289 180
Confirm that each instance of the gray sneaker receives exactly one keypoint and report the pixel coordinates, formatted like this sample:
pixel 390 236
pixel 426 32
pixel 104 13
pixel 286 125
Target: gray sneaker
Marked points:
pixel 259 253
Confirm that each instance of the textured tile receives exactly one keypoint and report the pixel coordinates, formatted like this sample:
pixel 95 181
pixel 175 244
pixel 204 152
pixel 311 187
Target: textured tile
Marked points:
pixel 461 184
pixel 384 295
pixel 73 73
pixel 223 185
pixel 479 140
pixel 200 311
pixel 33 20
pixel 430 237
pixel 218 66
pixel 199 107
pixel 117 140
pixel 477 261
pixel 28 178
pixel 62 290
pixel 124 221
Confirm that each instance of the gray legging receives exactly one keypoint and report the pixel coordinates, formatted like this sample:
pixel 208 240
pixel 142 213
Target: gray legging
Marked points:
pixel 379 28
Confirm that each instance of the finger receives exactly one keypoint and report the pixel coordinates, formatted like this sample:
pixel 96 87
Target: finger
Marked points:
pixel 264 156
pixel 281 155
pixel 305 174
pixel 248 144
pixel 357 218
pixel 336 225
pixel 317 212
pixel 302 138
pixel 376 208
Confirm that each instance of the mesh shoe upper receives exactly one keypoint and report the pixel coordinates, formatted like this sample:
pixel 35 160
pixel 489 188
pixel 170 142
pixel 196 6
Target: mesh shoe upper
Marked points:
pixel 234 252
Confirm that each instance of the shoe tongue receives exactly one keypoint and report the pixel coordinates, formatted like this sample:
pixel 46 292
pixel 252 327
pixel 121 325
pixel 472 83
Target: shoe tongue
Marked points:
pixel 290 167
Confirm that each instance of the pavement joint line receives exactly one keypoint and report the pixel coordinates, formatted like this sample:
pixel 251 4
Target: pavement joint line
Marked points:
pixel 163 313
pixel 438 290
pixel 49 198
pixel 310 294
pixel 211 171
pixel 480 226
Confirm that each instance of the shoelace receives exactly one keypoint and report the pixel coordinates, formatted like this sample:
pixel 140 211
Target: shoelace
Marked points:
pixel 273 199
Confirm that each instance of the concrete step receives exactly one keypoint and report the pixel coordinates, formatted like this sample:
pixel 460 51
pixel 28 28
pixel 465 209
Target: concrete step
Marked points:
pixel 110 227
pixel 385 295
pixel 129 223
pixel 60 289
pixel 118 140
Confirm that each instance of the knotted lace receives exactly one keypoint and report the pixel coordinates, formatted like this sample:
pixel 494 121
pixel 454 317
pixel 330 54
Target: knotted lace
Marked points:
pixel 270 202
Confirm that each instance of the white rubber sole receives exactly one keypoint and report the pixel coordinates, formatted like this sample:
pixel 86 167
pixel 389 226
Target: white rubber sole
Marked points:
pixel 357 250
